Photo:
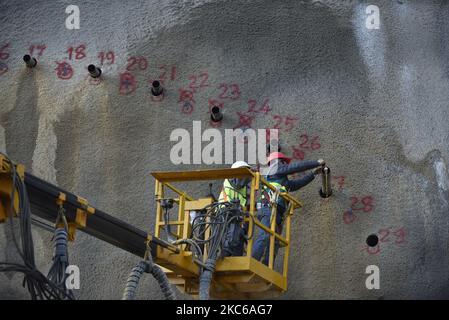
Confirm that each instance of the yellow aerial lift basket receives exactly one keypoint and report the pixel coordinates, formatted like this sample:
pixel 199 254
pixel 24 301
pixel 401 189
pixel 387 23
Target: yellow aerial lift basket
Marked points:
pixel 235 277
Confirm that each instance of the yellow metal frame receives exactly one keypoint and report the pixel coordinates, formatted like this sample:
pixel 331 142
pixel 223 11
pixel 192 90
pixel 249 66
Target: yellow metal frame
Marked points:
pixel 6 187
pixel 235 277
pixel 80 217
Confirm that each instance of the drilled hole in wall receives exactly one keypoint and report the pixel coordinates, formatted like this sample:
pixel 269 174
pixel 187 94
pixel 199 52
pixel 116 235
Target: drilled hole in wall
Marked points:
pixel 372 240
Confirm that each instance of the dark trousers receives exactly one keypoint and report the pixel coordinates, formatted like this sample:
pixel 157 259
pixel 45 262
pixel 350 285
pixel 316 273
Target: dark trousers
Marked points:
pixel 261 246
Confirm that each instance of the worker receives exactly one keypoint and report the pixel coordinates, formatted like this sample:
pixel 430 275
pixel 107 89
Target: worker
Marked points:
pixel 277 175
pixel 235 190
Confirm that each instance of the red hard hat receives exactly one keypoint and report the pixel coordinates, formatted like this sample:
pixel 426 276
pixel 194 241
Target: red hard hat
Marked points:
pixel 278 155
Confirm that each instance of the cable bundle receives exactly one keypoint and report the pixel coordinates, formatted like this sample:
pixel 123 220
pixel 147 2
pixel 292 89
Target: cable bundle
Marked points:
pixel 57 273
pixel 37 284
pixel 214 220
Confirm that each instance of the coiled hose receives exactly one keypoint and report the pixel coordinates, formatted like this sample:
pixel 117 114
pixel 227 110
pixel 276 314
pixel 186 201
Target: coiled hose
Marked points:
pixel 149 267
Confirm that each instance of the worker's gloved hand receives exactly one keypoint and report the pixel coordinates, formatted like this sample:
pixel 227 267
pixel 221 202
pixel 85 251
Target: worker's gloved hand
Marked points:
pixel 317 171
pixel 321 162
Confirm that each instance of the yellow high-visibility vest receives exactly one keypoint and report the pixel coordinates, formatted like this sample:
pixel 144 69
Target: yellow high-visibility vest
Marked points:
pixel 229 193
pixel 267 192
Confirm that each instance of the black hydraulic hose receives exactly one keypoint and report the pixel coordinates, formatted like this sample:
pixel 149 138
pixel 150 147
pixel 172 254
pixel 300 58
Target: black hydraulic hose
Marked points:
pixel 206 279
pixel 133 281
pixel 149 267
pixel 162 279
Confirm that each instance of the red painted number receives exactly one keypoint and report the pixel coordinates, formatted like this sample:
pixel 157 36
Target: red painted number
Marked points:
pixel 38 49
pixel 309 142
pixel 106 57
pixel 340 181
pixel 128 83
pixel 187 107
pixel 366 204
pixel 164 70
pixel 198 82
pixel 383 235
pixel 185 95
pixel 78 53
pixel 229 91
pixel 137 63
pixel 298 154
pixel 278 120
pixel 64 70
pixel 349 217
pixel 3 54
pixel 252 107
pixel 286 123
pixel 400 236
pixel 245 120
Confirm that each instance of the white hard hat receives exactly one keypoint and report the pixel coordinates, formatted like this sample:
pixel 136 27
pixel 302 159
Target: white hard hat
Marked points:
pixel 240 164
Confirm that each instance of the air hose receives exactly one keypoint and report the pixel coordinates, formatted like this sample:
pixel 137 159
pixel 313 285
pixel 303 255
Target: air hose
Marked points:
pixel 133 281
pixel 162 279
pixel 206 279
pixel 147 266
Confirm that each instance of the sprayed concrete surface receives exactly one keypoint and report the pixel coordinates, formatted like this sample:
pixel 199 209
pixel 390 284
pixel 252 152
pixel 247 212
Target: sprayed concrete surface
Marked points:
pixel 377 100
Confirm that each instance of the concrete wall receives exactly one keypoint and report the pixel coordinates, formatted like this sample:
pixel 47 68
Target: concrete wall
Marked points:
pixel 377 100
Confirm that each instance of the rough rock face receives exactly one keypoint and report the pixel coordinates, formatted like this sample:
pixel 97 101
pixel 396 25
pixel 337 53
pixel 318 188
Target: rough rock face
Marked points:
pixel 373 103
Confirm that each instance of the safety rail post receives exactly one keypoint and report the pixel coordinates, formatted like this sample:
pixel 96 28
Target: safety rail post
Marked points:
pixel 252 213
pixel 272 236
pixel 185 232
pixel 287 237
pixel 181 217
pixel 159 194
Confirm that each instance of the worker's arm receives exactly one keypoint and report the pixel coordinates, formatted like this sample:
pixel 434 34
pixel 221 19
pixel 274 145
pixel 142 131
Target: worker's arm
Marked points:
pixel 296 184
pixel 297 167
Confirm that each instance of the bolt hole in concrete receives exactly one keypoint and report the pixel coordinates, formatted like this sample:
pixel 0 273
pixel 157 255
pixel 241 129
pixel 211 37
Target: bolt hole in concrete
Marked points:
pixel 156 89
pixel 216 114
pixel 215 109
pixel 372 240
